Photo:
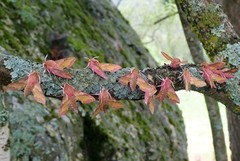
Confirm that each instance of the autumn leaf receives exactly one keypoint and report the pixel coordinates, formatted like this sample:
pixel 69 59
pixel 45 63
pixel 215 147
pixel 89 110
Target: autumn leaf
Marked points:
pixel 175 62
pixel 167 91
pixel 99 68
pixel 105 99
pixel 56 67
pixel 130 78
pixel 191 80
pixel 70 98
pixel 31 84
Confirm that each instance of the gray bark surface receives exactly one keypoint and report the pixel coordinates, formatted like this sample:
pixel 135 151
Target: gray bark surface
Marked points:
pixel 83 28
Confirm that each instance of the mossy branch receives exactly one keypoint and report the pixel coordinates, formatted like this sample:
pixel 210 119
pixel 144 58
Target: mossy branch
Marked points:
pixel 217 35
pixel 14 68
pixel 210 24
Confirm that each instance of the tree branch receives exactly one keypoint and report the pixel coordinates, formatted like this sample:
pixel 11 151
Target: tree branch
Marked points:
pixel 13 68
pixel 218 37
pixel 164 18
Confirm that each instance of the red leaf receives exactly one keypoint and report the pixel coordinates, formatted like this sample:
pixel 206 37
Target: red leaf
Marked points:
pixel 54 68
pixel 175 62
pixel 70 96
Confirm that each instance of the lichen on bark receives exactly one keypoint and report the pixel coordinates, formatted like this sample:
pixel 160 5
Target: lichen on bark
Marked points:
pixel 218 37
pixel 95 28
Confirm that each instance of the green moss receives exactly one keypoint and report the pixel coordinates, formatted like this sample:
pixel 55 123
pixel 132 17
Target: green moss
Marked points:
pixel 207 23
pixel 94 28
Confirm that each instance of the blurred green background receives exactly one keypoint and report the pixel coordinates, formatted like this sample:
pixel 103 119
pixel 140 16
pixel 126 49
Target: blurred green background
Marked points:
pixel 159 27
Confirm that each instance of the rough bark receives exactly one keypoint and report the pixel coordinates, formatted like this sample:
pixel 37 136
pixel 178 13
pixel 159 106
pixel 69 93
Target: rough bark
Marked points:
pixel 217 44
pixel 87 81
pixel 217 36
pixel 4 133
pixel 93 28
pixel 197 53
pixel 231 8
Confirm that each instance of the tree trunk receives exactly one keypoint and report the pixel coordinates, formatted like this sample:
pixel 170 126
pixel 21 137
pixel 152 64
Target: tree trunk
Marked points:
pixel 83 28
pixel 231 8
pixel 197 53
pixel 4 132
